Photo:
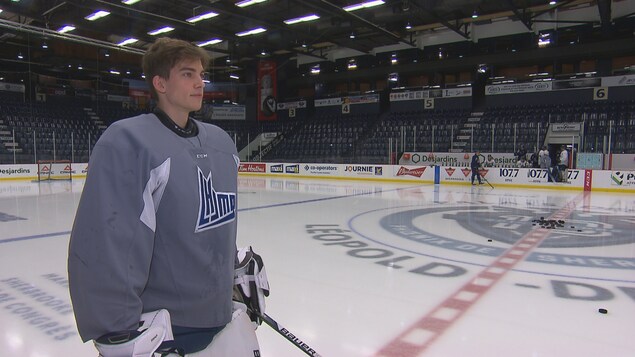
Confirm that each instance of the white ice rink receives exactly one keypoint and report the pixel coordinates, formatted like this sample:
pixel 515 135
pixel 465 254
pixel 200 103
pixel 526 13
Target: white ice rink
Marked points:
pixel 374 269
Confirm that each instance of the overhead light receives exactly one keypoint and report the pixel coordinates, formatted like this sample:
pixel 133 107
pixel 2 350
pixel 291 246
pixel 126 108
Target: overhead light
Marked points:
pixel 97 15
pixel 304 45
pixel 106 53
pixel 130 2
pixel 233 76
pixel 201 17
pixel 408 26
pixel 127 41
pixel 112 71
pixel 352 35
pixel 80 67
pixel 0 11
pixel 45 45
pixel 364 5
pixel 246 3
pixel 20 55
pixel 251 32
pixel 306 18
pixel 210 42
pixel 544 39
pixel 315 70
pixel 263 53
pixel 393 59
pixel 352 64
pixel 552 2
pixel 474 14
pixel 66 28
pixel 161 30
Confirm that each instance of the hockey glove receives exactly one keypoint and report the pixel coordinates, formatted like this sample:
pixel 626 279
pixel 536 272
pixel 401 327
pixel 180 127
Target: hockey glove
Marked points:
pixel 155 327
pixel 251 282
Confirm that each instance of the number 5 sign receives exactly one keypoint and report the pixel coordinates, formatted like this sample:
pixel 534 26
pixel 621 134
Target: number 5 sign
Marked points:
pixel 428 103
pixel 600 93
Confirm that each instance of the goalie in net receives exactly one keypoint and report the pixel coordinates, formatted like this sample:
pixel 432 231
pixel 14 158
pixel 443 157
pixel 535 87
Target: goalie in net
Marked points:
pixel 54 170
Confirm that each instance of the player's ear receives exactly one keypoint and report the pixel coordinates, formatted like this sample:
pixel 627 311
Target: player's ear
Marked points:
pixel 159 84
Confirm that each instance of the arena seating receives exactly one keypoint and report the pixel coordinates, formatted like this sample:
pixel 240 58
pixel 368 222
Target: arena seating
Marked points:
pixel 322 138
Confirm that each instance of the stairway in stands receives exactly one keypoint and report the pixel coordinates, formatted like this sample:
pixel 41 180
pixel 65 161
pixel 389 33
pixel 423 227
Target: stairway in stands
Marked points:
pixel 463 139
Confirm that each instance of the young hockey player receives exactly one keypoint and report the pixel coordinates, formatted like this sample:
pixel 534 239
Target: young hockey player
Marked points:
pixel 152 254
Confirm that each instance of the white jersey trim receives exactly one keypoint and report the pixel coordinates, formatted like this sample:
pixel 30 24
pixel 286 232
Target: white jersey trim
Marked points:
pixel 153 192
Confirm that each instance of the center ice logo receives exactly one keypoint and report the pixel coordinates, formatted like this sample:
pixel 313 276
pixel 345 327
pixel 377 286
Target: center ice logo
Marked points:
pixel 215 208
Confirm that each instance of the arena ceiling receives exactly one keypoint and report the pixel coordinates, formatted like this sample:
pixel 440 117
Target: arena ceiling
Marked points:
pixel 31 28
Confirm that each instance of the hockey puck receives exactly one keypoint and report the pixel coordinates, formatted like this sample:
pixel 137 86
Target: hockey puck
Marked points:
pixel 489 240
pixel 603 311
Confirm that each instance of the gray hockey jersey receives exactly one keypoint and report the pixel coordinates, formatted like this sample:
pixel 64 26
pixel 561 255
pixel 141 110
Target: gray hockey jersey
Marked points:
pixel 155 228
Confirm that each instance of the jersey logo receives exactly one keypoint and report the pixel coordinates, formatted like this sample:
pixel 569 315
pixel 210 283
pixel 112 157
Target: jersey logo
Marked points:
pixel 215 208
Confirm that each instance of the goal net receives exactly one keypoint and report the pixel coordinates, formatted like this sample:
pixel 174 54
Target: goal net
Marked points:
pixel 54 170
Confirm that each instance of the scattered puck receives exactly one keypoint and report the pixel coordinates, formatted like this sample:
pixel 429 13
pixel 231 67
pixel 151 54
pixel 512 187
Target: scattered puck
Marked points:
pixel 603 311
pixel 579 230
pixel 572 227
pixel 489 240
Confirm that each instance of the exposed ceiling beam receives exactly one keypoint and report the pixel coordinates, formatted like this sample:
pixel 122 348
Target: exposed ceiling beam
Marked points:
pixel 524 17
pixel 454 27
pixel 66 36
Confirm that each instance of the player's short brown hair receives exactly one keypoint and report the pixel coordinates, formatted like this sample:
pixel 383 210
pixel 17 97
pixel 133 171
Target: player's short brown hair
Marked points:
pixel 164 54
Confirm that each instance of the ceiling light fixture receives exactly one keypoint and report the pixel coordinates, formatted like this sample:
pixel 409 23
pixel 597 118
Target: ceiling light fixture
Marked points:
pixel 306 18
pixel 127 41
pixel 364 5
pixel 210 42
pixel 97 15
pixel 251 32
pixel 408 26
pixel 233 76
pixel 66 28
pixel 201 17
pixel 246 3
pixel 474 14
pixel 130 2
pixel 161 30
pixel 352 35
